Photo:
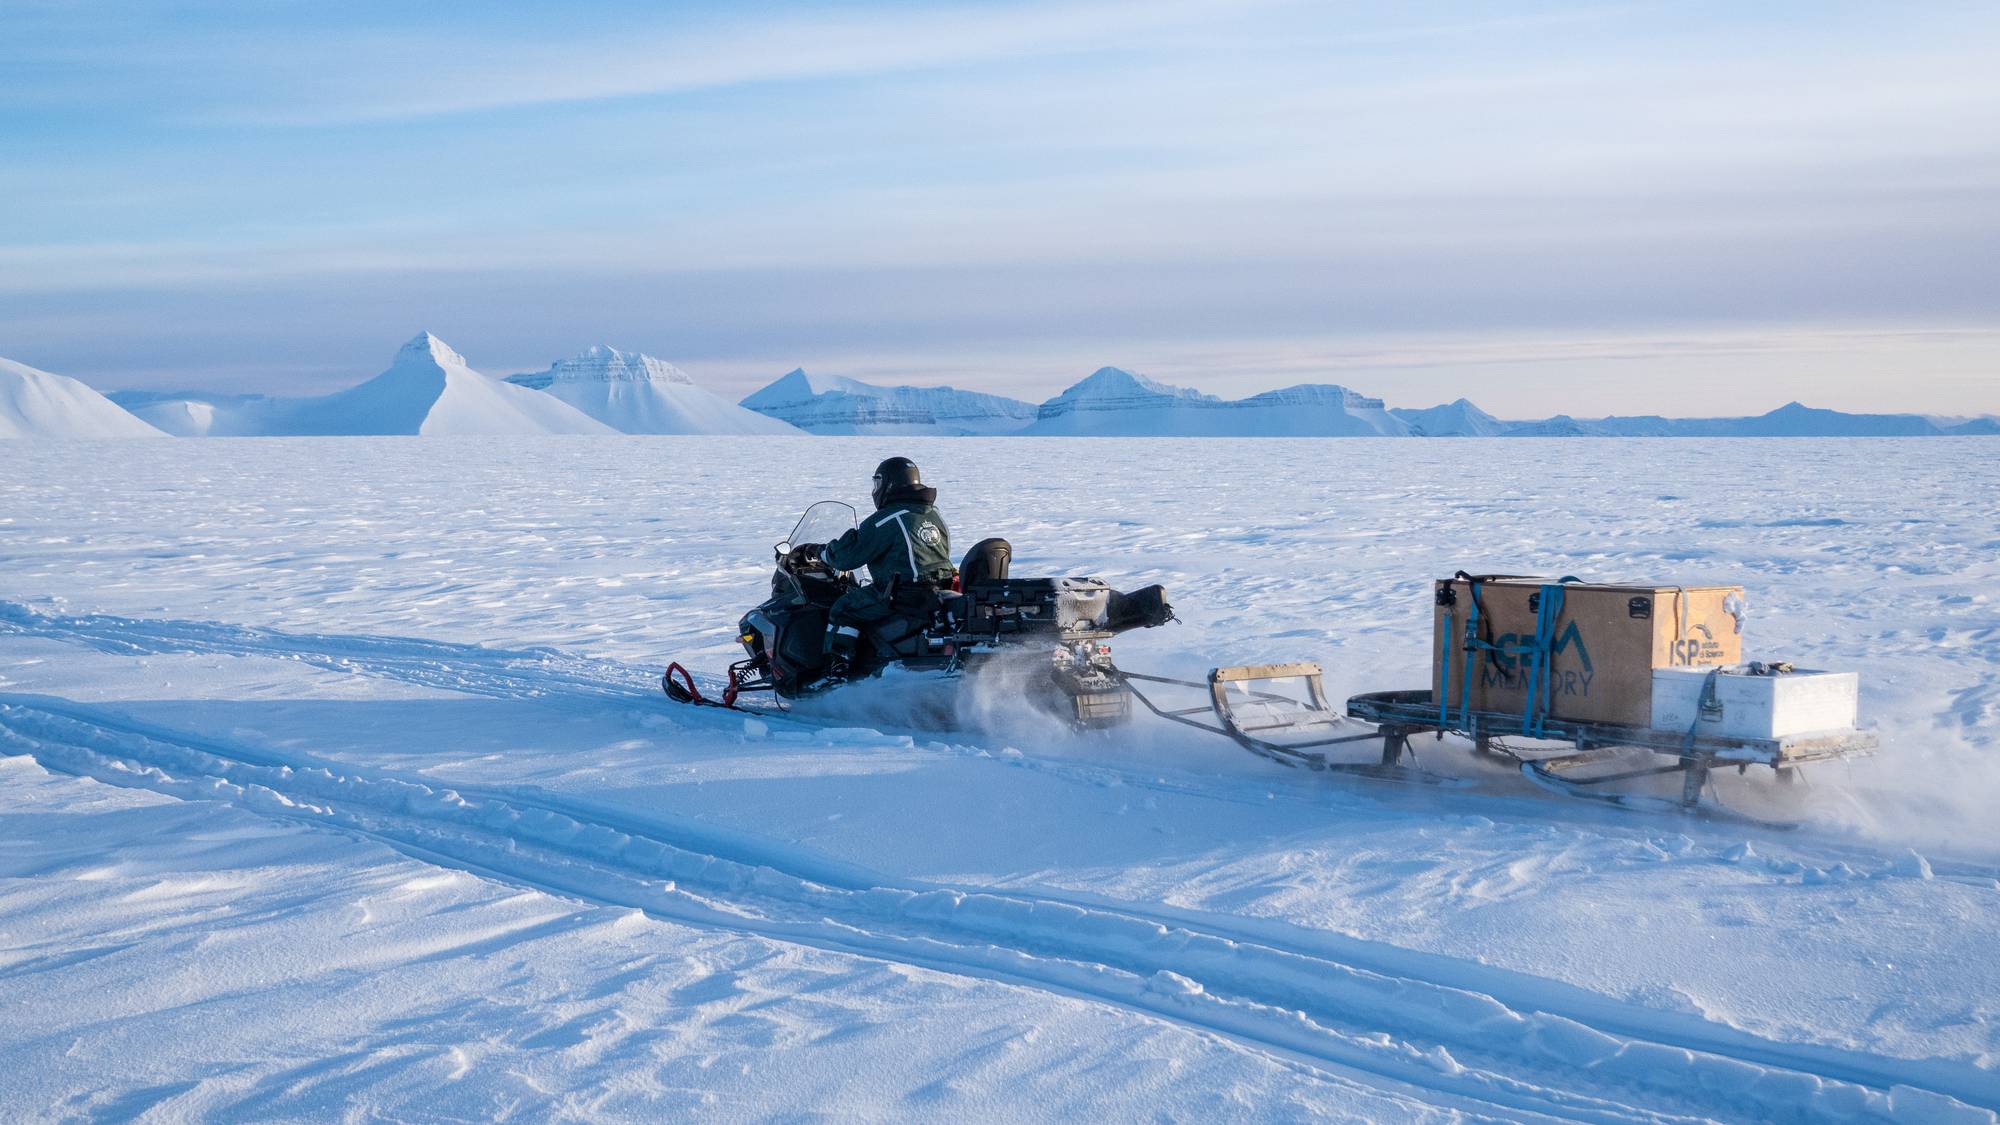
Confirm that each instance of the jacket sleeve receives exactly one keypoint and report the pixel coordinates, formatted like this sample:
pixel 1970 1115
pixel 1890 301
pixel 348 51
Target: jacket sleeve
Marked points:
pixel 851 551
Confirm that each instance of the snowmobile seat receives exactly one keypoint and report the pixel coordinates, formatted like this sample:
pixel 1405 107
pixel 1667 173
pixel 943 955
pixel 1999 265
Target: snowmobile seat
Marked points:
pixel 987 561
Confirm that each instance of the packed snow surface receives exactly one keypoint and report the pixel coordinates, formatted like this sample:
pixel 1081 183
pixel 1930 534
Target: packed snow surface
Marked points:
pixel 638 394
pixel 41 404
pixel 335 782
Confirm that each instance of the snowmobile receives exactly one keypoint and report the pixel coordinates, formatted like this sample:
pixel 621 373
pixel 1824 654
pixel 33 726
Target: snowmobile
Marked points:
pixel 1048 632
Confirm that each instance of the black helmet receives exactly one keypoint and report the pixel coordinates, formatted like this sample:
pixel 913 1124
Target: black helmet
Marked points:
pixel 897 474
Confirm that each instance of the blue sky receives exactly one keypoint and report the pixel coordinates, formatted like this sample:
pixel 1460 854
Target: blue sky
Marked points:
pixel 1681 208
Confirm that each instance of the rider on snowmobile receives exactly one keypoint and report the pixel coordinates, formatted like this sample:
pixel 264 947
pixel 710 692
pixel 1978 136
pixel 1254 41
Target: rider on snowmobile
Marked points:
pixel 903 543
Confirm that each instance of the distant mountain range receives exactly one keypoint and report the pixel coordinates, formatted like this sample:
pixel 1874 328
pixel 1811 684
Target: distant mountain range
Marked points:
pixel 430 389
pixel 1789 420
pixel 835 404
pixel 1115 402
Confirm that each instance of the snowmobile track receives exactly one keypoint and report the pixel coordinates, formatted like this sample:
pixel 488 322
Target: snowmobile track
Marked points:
pixel 561 681
pixel 539 675
pixel 1305 1005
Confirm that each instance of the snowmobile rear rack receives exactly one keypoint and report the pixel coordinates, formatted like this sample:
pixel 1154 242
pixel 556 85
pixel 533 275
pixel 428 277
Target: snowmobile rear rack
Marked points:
pixel 1261 720
pixel 1569 769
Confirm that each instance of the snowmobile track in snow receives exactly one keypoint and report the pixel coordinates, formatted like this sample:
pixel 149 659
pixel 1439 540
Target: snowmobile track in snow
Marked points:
pixel 1301 1002
pixel 548 677
pixel 539 675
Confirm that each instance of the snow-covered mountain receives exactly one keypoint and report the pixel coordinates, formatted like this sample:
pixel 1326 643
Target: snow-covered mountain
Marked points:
pixel 181 417
pixel 1114 402
pixel 1791 420
pixel 37 403
pixel 1562 425
pixel 1311 410
pixel 1798 420
pixel 1454 419
pixel 835 404
pixel 431 390
pixel 638 394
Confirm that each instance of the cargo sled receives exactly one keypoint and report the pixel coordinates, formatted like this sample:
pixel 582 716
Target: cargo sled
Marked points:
pixel 1608 684
pixel 1589 759
pixel 1587 688
pixel 1276 711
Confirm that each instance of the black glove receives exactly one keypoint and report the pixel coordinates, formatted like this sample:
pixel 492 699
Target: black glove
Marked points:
pixel 805 555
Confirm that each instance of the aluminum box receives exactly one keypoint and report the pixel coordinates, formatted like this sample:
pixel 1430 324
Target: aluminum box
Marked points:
pixel 1802 701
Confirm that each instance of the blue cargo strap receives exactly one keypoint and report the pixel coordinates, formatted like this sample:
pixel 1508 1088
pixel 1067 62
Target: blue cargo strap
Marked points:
pixel 1444 671
pixel 1536 654
pixel 1541 682
pixel 1471 643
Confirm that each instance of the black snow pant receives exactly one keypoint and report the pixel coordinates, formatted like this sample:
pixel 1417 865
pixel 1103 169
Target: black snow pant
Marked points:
pixel 858 607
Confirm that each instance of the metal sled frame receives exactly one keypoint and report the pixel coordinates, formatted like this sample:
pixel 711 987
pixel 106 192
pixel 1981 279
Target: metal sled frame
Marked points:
pixel 1400 714
pixel 1307 716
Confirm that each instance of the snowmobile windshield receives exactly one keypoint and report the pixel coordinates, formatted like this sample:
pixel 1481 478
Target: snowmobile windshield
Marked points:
pixel 824 522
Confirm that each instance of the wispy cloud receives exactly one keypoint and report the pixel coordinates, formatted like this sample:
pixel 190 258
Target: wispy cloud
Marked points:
pixel 909 175
pixel 360 72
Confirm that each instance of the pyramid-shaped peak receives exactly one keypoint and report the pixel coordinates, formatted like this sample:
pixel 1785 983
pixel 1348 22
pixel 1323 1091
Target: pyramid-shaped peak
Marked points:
pixel 821 383
pixel 1115 377
pixel 1108 381
pixel 799 385
pixel 424 345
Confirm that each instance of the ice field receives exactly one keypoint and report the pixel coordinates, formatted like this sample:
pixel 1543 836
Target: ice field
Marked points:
pixel 335 781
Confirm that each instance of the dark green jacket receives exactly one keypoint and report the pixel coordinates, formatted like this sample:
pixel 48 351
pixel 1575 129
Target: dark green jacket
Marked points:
pixel 905 538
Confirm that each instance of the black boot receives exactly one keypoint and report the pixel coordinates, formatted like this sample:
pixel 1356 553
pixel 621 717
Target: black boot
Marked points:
pixel 841 641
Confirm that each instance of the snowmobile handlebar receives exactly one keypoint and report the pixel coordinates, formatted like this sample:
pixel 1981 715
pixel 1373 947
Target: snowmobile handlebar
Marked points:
pixel 805 558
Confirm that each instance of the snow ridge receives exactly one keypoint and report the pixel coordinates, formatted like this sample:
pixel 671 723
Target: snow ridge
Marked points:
pixel 1390 1021
pixel 635 393
pixel 42 404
